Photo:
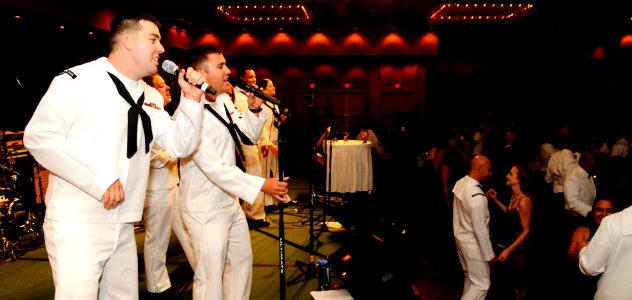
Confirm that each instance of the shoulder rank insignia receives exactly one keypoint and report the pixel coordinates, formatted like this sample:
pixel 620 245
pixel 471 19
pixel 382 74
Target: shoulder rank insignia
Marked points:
pixel 70 73
pixel 478 194
pixel 152 105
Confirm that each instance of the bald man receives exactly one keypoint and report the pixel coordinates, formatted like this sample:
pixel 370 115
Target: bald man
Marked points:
pixel 470 219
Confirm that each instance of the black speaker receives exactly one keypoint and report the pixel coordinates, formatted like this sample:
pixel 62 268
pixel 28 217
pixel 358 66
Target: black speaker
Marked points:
pixel 340 263
pixel 373 268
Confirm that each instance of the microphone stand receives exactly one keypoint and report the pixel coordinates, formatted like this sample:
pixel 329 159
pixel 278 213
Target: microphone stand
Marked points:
pixel 281 146
pixel 280 167
pixel 311 271
pixel 308 270
pixel 327 201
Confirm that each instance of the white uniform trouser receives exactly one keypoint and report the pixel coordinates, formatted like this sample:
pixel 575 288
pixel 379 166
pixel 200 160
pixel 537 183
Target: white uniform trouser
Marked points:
pixel 477 277
pixel 181 232
pixel 160 215
pixel 92 261
pixel 221 242
pixel 157 217
pixel 256 210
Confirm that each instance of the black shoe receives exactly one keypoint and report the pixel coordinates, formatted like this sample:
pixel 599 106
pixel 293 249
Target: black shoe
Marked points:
pixel 270 208
pixel 259 223
pixel 169 293
pixel 291 203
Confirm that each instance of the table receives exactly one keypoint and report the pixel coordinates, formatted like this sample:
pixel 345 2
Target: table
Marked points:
pixel 351 165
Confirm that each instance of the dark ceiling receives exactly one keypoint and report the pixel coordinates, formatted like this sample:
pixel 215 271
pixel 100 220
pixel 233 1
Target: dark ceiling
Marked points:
pixel 550 18
pixel 590 18
pixel 518 58
pixel 411 15
pixel 569 28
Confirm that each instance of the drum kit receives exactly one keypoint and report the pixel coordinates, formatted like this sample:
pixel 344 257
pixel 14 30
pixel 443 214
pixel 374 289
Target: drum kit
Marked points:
pixel 20 227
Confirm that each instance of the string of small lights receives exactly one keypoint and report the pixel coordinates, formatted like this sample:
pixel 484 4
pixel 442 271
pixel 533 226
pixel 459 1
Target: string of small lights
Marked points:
pixel 483 12
pixel 265 14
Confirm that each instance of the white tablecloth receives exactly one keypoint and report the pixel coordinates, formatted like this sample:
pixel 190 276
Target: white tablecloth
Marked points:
pixel 351 165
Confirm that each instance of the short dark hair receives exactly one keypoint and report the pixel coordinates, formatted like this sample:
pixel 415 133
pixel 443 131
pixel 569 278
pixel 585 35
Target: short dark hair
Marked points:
pixel 128 20
pixel 263 82
pixel 149 79
pixel 197 55
pixel 242 71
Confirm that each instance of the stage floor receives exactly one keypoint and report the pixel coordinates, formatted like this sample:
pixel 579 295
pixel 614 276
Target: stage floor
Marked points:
pixel 370 255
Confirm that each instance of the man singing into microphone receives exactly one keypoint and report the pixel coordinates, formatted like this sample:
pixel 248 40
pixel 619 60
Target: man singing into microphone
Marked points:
pixel 94 130
pixel 211 183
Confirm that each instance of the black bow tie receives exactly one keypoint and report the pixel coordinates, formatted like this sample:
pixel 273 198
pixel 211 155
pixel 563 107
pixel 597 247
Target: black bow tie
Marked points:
pixel 135 110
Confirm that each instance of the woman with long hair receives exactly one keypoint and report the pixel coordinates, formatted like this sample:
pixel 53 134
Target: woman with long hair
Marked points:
pixel 513 250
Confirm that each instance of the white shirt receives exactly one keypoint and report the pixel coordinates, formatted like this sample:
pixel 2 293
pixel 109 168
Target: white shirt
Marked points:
pixel 559 163
pixel 241 99
pixel 621 148
pixel 209 178
pixel 270 134
pixel 164 170
pixel 79 132
pixel 470 220
pixel 579 191
pixel 610 254
pixel 372 137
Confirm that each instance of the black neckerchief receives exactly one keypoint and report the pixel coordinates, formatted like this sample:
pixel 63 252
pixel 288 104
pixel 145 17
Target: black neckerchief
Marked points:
pixel 276 113
pixel 135 110
pixel 233 130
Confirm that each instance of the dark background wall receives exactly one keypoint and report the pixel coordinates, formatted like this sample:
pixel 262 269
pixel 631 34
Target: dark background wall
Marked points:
pixel 532 76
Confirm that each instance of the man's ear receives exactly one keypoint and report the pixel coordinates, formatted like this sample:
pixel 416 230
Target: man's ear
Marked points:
pixel 127 41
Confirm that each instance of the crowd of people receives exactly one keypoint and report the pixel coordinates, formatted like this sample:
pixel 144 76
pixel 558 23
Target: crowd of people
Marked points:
pixel 526 215
pixel 210 170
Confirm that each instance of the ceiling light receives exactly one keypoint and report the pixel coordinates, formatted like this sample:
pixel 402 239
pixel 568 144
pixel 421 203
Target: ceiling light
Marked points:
pixel 479 12
pixel 288 14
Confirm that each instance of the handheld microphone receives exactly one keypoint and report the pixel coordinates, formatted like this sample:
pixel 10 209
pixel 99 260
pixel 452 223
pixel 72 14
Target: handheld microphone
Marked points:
pixel 173 69
pixel 249 88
